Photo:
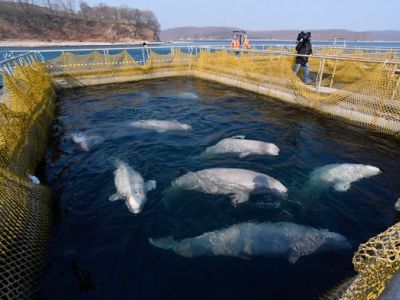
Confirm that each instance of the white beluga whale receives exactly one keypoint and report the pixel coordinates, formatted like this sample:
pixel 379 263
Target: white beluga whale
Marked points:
pixel 161 125
pixel 258 239
pixel 86 141
pixel 341 176
pixel 131 187
pixel 237 183
pixel 242 147
pixel 33 179
pixel 397 205
pixel 186 95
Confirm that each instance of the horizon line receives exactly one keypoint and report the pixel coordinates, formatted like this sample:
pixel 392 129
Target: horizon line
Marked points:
pixel 271 30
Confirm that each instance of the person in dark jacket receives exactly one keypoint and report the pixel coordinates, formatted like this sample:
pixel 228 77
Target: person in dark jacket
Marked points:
pixel 303 47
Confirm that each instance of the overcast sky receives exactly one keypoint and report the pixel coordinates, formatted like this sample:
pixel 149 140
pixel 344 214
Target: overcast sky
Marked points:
pixel 356 15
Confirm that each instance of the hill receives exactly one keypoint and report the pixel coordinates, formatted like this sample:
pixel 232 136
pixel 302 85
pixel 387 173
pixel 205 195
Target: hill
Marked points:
pixel 24 21
pixel 204 33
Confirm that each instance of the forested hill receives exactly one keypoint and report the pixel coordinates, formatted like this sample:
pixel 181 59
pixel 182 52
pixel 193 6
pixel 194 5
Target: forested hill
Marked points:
pixel 212 32
pixel 60 20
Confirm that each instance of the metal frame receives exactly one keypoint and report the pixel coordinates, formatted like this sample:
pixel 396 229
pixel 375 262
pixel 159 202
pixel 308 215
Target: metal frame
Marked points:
pixel 262 46
pixel 7 65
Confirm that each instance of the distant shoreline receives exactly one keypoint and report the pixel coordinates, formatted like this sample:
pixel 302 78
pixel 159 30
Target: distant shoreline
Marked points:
pixel 284 40
pixel 36 43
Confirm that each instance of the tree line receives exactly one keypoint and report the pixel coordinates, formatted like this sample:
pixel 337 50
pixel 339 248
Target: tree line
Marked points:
pixel 102 12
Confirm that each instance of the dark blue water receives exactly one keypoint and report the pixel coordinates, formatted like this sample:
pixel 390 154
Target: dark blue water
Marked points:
pixel 99 250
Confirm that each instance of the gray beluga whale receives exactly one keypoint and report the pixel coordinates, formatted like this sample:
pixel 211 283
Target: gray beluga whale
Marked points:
pixel 242 147
pixel 237 183
pixel 341 176
pixel 86 141
pixel 131 187
pixel 246 240
pixel 161 125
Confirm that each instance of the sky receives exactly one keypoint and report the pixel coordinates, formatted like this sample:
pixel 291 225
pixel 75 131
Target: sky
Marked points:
pixel 358 15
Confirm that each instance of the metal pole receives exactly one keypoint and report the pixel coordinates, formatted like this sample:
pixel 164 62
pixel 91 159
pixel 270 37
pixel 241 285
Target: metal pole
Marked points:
pixel 318 74
pixel 321 73
pixel 333 74
pixel 29 61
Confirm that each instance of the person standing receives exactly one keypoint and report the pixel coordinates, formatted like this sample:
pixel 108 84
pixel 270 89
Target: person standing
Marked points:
pixel 303 47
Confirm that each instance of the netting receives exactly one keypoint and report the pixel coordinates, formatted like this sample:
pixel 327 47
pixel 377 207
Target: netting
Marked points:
pixel 353 86
pixel 376 261
pixel 26 111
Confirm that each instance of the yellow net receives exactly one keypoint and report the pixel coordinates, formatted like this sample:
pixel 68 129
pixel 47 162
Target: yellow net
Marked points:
pixel 26 111
pixel 93 62
pixel 376 261
pixel 345 86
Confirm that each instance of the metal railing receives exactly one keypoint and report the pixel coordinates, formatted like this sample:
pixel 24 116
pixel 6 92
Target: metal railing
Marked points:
pixel 393 63
pixel 142 55
pixel 10 61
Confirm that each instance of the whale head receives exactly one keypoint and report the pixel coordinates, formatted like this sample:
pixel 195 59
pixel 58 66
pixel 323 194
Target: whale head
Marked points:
pixel 335 242
pixel 280 189
pixel 271 149
pixel 371 171
pixel 274 186
pixel 187 181
pixel 135 201
pixel 184 126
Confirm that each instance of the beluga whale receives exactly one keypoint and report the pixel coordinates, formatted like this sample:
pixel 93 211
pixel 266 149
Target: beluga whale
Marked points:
pixel 242 147
pixel 86 141
pixel 161 126
pixel 131 187
pixel 238 184
pixel 247 240
pixel 186 95
pixel 340 176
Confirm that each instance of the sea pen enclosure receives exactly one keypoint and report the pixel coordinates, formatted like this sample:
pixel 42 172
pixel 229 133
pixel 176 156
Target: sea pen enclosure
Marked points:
pixel 308 206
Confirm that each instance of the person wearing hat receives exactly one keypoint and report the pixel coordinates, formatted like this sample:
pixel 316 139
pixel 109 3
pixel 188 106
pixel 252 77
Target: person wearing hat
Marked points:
pixel 303 47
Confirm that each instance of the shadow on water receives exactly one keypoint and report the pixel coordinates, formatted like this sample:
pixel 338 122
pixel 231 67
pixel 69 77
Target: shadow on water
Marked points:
pixel 99 250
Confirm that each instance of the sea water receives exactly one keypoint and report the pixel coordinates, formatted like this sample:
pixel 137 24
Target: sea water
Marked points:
pixel 100 250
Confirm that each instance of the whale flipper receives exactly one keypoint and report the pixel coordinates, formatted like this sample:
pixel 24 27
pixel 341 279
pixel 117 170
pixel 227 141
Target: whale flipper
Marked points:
pixel 342 186
pixel 150 185
pixel 114 197
pixel 239 197
pixel 165 243
pixel 293 256
pixel 244 154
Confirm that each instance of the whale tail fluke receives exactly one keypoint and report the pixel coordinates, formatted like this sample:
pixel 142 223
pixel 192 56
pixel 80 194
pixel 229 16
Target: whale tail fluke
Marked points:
pixel 151 185
pixel 165 243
